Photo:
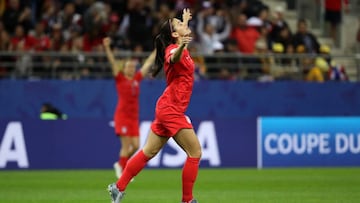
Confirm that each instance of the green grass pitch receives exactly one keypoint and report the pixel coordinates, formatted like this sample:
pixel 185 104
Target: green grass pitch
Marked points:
pixel 301 185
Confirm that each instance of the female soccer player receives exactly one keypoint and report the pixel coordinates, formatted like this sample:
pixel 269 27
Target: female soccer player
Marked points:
pixel 170 120
pixel 126 116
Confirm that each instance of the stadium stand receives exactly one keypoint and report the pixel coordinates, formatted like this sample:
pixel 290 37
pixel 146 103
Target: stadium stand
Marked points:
pixel 56 39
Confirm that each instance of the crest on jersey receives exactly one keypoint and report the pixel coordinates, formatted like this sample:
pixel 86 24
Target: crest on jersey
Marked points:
pixel 135 83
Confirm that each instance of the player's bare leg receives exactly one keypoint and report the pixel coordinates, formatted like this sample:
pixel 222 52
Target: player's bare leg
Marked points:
pixel 134 145
pixel 125 142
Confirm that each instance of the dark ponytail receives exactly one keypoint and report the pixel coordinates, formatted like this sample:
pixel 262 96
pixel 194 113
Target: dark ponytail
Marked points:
pixel 162 40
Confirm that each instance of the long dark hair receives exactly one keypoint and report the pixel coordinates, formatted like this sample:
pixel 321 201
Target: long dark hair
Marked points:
pixel 162 40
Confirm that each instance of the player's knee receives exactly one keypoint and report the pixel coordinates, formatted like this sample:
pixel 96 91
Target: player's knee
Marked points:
pixel 123 151
pixel 195 153
pixel 135 146
pixel 151 152
pixel 132 150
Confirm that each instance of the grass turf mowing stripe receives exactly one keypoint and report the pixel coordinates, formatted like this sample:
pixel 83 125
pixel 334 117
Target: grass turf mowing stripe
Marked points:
pixel 330 185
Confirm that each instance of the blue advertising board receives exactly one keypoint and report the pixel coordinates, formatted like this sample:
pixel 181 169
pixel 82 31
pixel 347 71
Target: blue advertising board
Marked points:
pixel 226 109
pixel 308 141
pixel 210 99
pixel 91 143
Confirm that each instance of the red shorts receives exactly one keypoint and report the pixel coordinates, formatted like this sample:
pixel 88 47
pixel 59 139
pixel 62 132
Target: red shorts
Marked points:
pixel 169 124
pixel 126 127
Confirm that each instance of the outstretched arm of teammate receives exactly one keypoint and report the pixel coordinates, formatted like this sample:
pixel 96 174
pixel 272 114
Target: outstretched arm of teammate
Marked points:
pixel 148 63
pixel 114 66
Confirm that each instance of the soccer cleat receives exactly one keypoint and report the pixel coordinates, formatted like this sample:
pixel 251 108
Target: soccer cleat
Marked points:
pixel 118 170
pixel 192 201
pixel 115 194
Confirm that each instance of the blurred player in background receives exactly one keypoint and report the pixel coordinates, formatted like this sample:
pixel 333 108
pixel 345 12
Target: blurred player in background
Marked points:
pixel 126 115
pixel 170 119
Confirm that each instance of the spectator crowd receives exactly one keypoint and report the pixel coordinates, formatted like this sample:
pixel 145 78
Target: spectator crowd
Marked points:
pixel 247 30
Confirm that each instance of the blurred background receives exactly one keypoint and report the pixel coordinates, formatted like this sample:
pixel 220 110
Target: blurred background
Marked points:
pixel 233 39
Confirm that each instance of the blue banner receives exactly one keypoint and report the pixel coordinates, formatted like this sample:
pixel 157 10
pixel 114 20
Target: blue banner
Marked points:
pixel 308 141
pixel 91 143
pixel 210 99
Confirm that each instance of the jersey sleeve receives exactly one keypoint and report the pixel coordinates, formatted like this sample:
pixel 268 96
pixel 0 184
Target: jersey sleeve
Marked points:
pixel 169 51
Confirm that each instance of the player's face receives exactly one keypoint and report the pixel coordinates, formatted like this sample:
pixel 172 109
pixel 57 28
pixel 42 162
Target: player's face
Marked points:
pixel 181 28
pixel 130 68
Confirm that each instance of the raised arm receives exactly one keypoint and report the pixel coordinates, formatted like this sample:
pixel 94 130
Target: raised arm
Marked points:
pixel 110 56
pixel 186 16
pixel 149 61
pixel 177 53
pixel 184 40
pixel 200 24
pixel 226 33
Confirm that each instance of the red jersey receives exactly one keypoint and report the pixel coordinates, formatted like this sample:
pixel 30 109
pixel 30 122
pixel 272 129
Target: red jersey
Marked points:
pixel 42 43
pixel 179 82
pixel 246 39
pixel 335 5
pixel 29 42
pixel 128 92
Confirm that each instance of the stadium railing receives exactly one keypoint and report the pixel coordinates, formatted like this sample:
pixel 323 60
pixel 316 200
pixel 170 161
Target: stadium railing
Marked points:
pixel 94 65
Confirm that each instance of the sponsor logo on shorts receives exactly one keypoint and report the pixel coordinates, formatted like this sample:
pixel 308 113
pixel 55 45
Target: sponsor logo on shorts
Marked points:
pixel 124 129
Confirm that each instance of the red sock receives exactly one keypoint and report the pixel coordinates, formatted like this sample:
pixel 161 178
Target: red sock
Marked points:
pixel 133 167
pixel 189 174
pixel 122 161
